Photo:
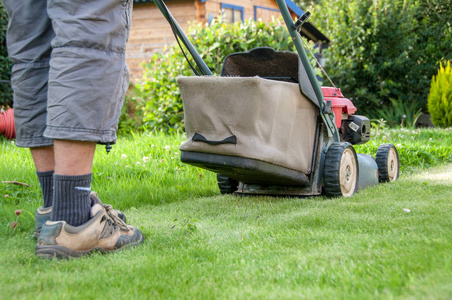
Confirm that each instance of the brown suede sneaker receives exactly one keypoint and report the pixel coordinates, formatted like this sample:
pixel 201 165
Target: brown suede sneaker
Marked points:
pixel 42 214
pixel 104 232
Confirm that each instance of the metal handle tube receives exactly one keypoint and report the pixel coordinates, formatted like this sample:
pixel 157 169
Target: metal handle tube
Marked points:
pixel 180 33
pixel 296 38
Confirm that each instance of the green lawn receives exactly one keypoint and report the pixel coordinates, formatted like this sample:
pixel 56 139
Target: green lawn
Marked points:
pixel 387 241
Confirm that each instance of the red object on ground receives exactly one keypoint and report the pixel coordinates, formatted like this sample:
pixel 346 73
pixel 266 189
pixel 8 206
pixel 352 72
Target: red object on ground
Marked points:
pixel 342 107
pixel 7 127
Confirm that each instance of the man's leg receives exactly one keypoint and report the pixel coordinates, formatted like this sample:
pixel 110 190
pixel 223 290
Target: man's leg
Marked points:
pixel 29 35
pixel 95 227
pixel 87 82
pixel 74 159
pixel 28 39
pixel 88 79
pixel 43 158
pixel 72 181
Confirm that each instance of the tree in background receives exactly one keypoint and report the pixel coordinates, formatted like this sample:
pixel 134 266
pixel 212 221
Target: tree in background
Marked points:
pixel 384 53
pixel 440 97
pixel 6 93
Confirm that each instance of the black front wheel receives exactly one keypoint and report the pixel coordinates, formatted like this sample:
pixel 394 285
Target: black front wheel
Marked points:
pixel 341 173
pixel 226 184
pixel 387 159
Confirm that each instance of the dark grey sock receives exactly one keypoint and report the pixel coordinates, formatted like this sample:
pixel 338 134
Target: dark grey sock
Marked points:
pixel 71 200
pixel 46 182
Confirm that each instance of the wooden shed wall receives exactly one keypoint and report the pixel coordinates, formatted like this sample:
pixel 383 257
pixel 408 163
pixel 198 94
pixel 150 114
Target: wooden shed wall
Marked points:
pixel 150 32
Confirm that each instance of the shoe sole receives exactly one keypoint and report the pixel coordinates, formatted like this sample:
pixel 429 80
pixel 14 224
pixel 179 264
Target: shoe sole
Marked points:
pixel 60 252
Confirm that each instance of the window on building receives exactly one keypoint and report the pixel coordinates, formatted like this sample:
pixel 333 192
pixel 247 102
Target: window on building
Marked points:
pixel 266 14
pixel 232 13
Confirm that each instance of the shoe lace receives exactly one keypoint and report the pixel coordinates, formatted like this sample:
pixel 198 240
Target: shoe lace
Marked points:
pixel 112 218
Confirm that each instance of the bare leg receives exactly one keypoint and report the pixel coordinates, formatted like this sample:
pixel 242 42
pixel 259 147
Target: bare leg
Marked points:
pixel 43 158
pixel 73 157
pixel 66 157
pixel 72 181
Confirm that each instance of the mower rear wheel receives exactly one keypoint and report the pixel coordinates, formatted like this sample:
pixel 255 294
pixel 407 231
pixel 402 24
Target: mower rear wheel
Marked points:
pixel 226 184
pixel 341 171
pixel 387 159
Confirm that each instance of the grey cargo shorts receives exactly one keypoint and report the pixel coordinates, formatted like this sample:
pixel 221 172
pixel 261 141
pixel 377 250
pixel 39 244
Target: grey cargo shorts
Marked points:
pixel 70 75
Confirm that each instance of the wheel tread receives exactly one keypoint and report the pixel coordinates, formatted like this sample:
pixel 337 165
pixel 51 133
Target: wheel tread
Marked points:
pixel 382 162
pixel 226 184
pixel 331 176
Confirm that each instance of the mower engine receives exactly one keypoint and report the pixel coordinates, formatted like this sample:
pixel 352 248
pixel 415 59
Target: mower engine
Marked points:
pixel 354 129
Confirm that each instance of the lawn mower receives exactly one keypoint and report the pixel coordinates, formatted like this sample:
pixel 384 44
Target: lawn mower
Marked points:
pixel 266 127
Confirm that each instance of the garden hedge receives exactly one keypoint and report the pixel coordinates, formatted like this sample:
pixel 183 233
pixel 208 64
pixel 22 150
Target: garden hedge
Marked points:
pixel 6 93
pixel 384 53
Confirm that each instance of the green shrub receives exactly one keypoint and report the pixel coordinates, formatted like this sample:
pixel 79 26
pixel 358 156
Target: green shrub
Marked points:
pixel 131 116
pixel 157 96
pixel 400 113
pixel 385 49
pixel 6 93
pixel 440 97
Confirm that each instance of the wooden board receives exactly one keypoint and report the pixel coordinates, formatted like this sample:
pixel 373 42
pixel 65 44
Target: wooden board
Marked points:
pixel 151 33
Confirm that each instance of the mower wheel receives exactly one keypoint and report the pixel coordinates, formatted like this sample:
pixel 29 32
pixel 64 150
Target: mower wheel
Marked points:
pixel 226 184
pixel 341 173
pixel 387 159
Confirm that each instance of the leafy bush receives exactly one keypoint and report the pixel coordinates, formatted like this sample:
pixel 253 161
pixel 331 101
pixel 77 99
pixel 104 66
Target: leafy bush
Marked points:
pixel 157 97
pixel 400 113
pixel 440 97
pixel 382 54
pixel 6 93
pixel 385 49
pixel 131 116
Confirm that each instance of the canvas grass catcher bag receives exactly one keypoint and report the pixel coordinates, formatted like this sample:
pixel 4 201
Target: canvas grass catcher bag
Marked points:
pixel 250 117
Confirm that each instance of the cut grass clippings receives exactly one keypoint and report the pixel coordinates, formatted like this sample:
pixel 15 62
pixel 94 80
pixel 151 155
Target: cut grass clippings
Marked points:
pixel 387 241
